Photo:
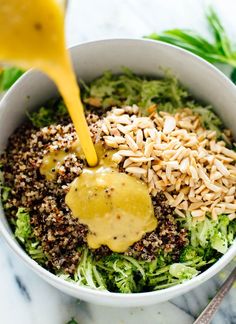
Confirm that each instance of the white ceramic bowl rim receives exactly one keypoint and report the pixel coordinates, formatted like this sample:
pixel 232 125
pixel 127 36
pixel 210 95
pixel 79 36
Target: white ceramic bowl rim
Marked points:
pixel 211 271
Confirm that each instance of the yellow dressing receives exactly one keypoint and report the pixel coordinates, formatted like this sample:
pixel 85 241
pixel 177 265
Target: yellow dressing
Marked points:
pixel 116 207
pixel 32 35
pixel 51 163
pixel 53 160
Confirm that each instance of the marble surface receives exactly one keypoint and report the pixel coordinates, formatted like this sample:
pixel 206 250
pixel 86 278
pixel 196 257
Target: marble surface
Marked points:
pixel 27 299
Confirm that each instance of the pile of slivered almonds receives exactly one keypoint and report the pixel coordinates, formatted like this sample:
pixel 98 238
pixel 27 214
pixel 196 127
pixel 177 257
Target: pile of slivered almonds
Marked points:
pixel 176 155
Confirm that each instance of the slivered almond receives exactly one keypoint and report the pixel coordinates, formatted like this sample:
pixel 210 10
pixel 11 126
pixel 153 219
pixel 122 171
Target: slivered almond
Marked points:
pixel 229 199
pixel 220 166
pixel 127 162
pixel 135 170
pixel 131 143
pixel 105 129
pixel 178 199
pixel 193 199
pixel 168 172
pixel 214 214
pixel 169 197
pixel 195 205
pixel 213 187
pixel 148 149
pixel 184 165
pixel 201 153
pixel 141 159
pixel 216 176
pixel 202 174
pixel 179 213
pixel 194 173
pixel 198 213
pixel 123 147
pixel 211 134
pixel 231 191
pixel 225 182
pixel 228 153
pixel 208 196
pixel 177 153
pixel 199 190
pixel 171 159
pixel 153 133
pixel 124 120
pixel 228 211
pixel 191 193
pixel 116 157
pixel 111 142
pixel 168 153
pixel 150 175
pixel 191 142
pixel 228 205
pixel 178 184
pixel 183 205
pixel 224 158
pixel 118 111
pixel 124 129
pixel 139 138
pixel 169 125
pixel 185 124
pixel 128 153
pixel 119 139
pixel 157 167
pixel 215 147
pixel 161 147
pixel 172 164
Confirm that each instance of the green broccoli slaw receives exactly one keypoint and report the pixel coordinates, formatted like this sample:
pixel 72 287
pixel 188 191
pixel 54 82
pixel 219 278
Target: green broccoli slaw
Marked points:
pixel 207 240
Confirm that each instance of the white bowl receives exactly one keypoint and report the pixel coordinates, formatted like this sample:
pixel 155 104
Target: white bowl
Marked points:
pixel 91 60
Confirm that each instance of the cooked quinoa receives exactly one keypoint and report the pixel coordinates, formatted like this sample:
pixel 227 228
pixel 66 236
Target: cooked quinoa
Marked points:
pixel 53 225
pixel 167 129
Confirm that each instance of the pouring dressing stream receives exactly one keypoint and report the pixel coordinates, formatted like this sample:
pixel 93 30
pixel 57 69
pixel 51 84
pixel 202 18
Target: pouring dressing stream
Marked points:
pixel 30 39
pixel 116 207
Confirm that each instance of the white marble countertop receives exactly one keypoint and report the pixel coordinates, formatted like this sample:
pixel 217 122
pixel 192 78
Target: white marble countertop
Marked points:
pixel 27 299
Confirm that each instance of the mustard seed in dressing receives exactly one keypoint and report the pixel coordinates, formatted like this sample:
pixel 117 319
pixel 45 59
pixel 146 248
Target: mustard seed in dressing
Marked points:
pixel 116 207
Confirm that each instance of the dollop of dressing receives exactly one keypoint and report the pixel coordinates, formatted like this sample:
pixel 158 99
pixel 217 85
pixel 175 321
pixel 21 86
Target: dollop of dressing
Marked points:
pixel 116 207
pixel 53 160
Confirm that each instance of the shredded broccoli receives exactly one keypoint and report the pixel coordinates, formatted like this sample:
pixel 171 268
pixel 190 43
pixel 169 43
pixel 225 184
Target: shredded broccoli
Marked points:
pixel 124 274
pixel 214 234
pixel 49 114
pixel 120 273
pixel 23 232
pixel 165 94
pixel 182 271
pixel 87 273
pixel 208 239
pixel 128 89
pixel 209 119
pixel 5 191
pixel 188 254
pixel 23 227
